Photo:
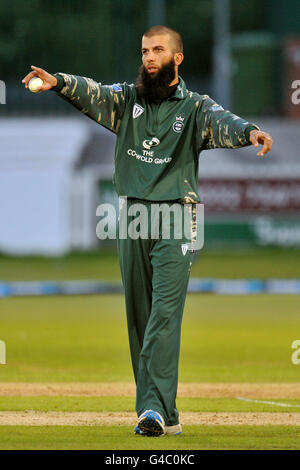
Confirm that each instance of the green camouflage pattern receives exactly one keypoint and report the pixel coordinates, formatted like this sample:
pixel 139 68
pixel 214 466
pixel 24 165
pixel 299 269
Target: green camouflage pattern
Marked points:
pixel 158 144
pixel 99 102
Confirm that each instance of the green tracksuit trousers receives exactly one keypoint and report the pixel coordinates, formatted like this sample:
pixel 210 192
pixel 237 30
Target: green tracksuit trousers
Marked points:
pixel 155 274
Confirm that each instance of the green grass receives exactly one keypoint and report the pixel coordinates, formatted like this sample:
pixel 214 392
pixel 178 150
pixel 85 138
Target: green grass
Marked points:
pixel 122 438
pixel 84 338
pixel 97 265
pixel 121 404
pixel 254 263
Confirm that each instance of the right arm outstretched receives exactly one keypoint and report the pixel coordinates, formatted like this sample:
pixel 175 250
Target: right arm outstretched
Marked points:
pixel 104 104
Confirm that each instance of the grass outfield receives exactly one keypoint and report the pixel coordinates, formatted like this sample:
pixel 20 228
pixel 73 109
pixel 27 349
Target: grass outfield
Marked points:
pixel 212 434
pixel 84 339
pixel 122 438
pixel 127 404
pixel 254 263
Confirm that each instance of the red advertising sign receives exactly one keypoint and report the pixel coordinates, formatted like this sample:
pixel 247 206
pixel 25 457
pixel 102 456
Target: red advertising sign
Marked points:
pixel 250 195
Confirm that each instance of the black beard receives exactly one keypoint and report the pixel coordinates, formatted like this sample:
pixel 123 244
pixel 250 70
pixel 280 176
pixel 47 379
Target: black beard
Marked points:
pixel 155 88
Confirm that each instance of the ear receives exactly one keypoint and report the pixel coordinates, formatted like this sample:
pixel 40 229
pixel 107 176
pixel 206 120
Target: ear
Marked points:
pixel 178 58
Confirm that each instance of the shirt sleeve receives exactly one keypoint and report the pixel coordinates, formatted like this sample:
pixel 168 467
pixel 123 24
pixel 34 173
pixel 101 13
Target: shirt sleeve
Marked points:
pixel 218 128
pixel 104 104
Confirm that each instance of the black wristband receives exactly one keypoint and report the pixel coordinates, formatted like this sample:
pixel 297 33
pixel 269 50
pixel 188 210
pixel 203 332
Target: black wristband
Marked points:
pixel 60 82
pixel 248 130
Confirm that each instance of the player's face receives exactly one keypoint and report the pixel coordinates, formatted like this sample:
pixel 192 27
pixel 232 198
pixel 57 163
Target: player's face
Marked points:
pixel 156 52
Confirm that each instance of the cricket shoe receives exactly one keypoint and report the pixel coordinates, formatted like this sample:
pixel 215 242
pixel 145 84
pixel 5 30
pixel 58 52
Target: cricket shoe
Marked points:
pixel 170 430
pixel 151 423
pixel 139 432
pixel 173 430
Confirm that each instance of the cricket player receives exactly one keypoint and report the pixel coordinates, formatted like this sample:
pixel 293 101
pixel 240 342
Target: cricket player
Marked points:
pixel 161 129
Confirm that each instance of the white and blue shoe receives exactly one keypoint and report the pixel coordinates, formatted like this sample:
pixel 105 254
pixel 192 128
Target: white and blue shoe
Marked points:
pixel 170 430
pixel 173 430
pixel 151 423
pixel 139 432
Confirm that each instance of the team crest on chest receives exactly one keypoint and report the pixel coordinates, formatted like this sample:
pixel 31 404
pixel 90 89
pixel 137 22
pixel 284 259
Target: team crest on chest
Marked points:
pixel 137 111
pixel 178 124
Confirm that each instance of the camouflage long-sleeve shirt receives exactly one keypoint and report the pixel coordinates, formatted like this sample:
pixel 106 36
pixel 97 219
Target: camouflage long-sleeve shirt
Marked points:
pixel 158 144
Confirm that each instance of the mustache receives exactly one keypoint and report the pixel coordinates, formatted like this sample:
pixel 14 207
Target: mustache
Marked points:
pixel 155 88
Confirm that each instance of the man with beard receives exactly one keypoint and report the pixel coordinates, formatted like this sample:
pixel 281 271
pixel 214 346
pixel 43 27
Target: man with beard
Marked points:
pixel 161 128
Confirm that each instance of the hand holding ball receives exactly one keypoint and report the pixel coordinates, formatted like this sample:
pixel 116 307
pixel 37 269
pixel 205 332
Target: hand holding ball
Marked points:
pixel 34 84
pixel 39 80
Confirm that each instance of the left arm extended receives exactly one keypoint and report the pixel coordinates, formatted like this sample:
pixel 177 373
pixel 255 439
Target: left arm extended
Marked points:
pixel 218 128
pixel 258 137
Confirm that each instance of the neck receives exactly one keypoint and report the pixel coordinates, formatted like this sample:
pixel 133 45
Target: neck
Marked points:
pixel 176 80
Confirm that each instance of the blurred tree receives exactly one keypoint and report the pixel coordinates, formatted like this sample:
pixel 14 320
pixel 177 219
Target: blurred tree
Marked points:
pixel 102 39
pixel 194 20
pixel 56 36
pixel 284 17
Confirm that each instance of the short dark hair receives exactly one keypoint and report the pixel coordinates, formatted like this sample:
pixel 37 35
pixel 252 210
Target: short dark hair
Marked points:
pixel 159 29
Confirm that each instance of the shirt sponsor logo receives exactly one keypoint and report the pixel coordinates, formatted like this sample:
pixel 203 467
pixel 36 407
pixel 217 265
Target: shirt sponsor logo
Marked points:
pixel 148 144
pixel 147 158
pixel 178 124
pixel 137 111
